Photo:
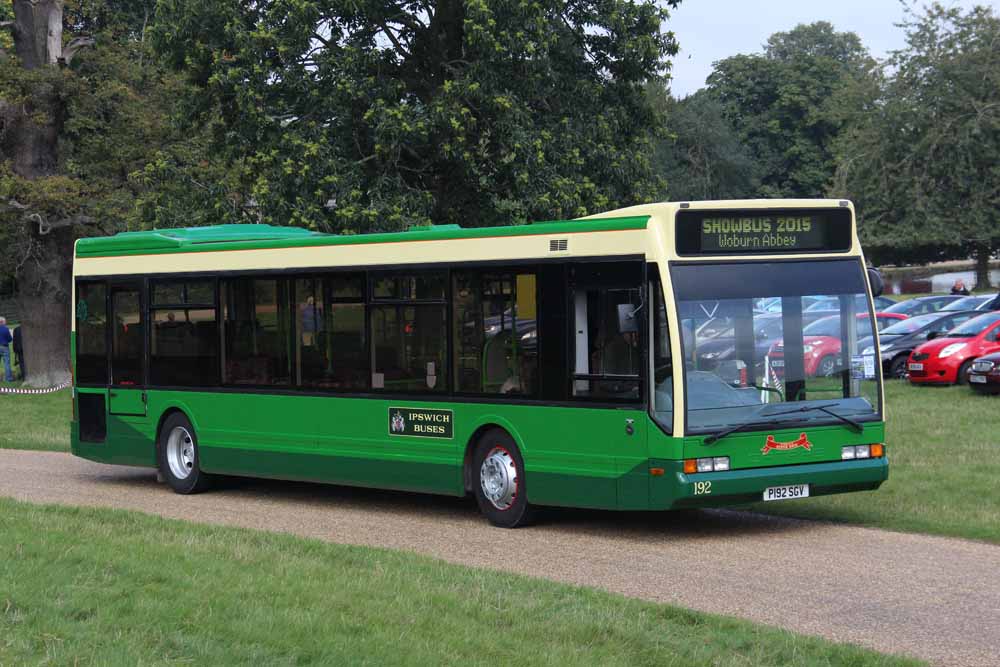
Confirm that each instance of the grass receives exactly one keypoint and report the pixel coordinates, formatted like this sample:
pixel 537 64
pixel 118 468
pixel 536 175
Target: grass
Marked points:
pixel 35 421
pixel 86 586
pixel 944 462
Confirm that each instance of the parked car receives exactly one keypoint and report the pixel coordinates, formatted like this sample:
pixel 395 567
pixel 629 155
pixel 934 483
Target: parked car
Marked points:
pixel 922 305
pixel 830 305
pixel 978 302
pixel 984 375
pixel 947 360
pixel 821 344
pixel 898 340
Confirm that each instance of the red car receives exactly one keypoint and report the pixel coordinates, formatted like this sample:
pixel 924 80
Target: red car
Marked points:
pixel 821 343
pixel 947 360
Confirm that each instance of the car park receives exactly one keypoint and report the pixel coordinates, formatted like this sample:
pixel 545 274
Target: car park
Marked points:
pixel 948 360
pixel 830 305
pixel 922 305
pixel 984 375
pixel 898 340
pixel 976 302
pixel 822 344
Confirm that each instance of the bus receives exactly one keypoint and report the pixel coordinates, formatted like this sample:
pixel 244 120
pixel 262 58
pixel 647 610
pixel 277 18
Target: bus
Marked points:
pixel 649 358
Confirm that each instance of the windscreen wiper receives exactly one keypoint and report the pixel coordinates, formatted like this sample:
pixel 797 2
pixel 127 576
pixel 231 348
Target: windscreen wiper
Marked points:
pixel 715 437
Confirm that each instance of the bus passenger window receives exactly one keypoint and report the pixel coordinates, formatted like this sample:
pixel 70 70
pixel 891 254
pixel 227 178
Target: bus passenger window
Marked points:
pixel 495 333
pixel 256 332
pixel 409 332
pixel 184 346
pixel 330 322
pixel 91 333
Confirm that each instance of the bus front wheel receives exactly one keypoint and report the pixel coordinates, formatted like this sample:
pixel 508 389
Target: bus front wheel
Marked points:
pixel 177 455
pixel 500 481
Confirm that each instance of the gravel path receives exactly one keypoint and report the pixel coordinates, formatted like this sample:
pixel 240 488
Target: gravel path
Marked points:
pixel 929 597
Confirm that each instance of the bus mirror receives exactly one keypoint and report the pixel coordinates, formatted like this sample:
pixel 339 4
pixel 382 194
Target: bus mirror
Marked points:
pixel 627 321
pixel 875 280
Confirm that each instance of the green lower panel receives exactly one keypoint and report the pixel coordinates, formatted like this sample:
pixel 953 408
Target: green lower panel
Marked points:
pixel 401 476
pixel 574 456
pixel 676 489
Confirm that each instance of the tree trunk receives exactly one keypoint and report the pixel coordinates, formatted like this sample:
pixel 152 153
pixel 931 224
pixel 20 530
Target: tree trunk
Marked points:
pixel 31 143
pixel 983 266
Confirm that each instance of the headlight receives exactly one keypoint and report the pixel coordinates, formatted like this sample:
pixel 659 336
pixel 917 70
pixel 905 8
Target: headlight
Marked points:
pixel 807 348
pixel 951 349
pixel 493 329
pixel 530 335
pixel 871 350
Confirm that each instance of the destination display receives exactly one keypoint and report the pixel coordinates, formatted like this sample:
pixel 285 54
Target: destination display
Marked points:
pixel 765 232
pixel 421 422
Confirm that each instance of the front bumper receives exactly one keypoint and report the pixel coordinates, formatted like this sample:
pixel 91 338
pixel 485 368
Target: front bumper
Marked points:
pixel 735 487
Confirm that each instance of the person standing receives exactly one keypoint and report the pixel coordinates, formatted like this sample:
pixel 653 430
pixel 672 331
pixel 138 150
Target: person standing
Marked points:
pixel 5 341
pixel 959 288
pixel 19 351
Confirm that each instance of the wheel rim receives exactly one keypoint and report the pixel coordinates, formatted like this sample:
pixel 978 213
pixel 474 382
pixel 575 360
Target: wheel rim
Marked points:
pixel 899 370
pixel 826 367
pixel 498 478
pixel 180 452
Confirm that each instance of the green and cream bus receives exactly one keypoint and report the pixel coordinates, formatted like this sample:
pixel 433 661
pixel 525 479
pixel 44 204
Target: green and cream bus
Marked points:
pixel 649 358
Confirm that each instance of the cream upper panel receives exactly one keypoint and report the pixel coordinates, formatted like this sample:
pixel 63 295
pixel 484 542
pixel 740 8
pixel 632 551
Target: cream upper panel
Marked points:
pixel 578 244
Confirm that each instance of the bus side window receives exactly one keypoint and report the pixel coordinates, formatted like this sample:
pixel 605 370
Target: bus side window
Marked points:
pixel 495 332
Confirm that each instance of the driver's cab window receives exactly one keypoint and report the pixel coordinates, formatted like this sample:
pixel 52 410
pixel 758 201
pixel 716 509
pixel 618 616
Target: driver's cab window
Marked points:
pixel 661 359
pixel 607 331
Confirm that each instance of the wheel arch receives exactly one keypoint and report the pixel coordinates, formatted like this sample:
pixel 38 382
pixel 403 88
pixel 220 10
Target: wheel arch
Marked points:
pixel 171 409
pixel 483 425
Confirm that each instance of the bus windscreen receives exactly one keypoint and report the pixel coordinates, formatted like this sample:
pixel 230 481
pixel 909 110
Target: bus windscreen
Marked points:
pixel 753 231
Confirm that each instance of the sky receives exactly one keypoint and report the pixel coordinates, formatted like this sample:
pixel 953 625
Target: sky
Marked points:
pixel 710 30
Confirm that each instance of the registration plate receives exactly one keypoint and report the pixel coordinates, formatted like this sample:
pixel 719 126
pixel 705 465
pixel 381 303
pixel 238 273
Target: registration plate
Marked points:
pixel 786 492
pixel 980 379
pixel 777 363
pixel 916 367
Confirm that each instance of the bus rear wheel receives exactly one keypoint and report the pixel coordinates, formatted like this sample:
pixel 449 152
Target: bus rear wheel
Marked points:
pixel 500 481
pixel 177 454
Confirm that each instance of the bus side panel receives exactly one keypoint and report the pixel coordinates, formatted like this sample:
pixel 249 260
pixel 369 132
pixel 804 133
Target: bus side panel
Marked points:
pixel 574 456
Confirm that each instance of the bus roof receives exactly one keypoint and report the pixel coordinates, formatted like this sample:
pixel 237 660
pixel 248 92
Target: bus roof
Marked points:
pixel 246 237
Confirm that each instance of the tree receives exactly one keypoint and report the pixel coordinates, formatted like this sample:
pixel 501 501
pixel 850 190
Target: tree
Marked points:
pixel 789 104
pixel 703 158
pixel 378 115
pixel 925 167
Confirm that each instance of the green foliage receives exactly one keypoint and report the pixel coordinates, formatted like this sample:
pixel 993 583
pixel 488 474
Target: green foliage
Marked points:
pixel 925 167
pixel 703 159
pixel 378 115
pixel 790 104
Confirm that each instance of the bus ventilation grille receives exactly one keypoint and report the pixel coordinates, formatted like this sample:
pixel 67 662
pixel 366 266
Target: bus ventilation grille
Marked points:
pixel 558 245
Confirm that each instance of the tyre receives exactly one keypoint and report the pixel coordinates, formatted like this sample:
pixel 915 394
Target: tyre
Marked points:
pixel 177 456
pixel 963 373
pixel 897 369
pixel 826 367
pixel 500 485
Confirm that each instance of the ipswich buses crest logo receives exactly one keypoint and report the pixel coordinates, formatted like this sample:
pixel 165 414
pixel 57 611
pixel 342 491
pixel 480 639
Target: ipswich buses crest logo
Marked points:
pixel 398 424
pixel 802 441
